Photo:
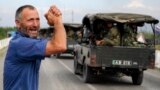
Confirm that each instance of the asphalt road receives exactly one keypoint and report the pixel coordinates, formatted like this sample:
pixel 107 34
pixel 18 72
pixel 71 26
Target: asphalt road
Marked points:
pixel 2 54
pixel 57 74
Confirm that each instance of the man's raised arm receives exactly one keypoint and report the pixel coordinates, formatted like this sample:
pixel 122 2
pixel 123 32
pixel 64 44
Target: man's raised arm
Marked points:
pixel 57 43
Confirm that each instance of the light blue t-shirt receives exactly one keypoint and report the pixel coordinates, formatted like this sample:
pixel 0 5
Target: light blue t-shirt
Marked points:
pixel 22 62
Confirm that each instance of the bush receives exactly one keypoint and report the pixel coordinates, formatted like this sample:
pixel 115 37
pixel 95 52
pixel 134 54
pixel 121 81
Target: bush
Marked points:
pixel 4 31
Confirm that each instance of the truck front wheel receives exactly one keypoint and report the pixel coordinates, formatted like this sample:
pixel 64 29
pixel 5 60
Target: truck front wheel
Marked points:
pixel 137 78
pixel 87 74
pixel 58 55
pixel 76 66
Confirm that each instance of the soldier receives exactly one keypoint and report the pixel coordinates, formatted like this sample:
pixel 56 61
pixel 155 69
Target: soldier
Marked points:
pixel 70 34
pixel 130 35
pixel 79 35
pixel 111 37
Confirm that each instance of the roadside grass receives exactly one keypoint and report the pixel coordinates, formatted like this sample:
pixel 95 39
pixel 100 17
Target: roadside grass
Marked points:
pixel 157 47
pixel 2 52
pixel 157 68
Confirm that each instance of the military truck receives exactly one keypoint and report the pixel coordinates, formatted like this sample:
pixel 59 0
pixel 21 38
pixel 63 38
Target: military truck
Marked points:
pixel 46 32
pixel 131 57
pixel 72 37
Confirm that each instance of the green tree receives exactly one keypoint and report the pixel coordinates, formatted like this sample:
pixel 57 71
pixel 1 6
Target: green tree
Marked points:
pixel 4 31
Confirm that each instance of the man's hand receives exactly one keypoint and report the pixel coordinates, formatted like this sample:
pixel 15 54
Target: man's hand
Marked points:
pixel 57 43
pixel 53 15
pixel 99 42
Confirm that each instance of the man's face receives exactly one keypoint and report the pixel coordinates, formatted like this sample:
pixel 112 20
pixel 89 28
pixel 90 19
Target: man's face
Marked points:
pixel 29 22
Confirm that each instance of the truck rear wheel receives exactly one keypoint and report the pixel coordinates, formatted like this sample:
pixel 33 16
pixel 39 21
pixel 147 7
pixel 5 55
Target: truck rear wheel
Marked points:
pixel 87 78
pixel 137 78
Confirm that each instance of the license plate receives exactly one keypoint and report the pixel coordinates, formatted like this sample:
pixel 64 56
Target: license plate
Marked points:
pixel 122 62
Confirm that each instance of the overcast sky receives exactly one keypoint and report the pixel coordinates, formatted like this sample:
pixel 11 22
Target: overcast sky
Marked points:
pixel 74 10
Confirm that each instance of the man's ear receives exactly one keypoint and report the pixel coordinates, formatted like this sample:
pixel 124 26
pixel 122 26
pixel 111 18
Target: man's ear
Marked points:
pixel 17 23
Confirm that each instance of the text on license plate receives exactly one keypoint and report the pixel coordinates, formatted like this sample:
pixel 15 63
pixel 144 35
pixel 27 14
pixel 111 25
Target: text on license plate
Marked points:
pixel 122 62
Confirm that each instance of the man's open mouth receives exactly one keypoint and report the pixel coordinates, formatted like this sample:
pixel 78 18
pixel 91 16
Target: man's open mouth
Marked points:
pixel 33 32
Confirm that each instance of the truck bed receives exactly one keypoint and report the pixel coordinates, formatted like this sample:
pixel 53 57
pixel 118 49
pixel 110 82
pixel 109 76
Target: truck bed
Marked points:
pixel 123 57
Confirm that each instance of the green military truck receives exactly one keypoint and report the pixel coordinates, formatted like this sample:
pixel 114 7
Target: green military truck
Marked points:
pixel 134 54
pixel 71 32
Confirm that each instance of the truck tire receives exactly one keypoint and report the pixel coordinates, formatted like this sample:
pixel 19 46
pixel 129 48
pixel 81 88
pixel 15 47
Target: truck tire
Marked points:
pixel 137 78
pixel 87 74
pixel 76 66
pixel 58 55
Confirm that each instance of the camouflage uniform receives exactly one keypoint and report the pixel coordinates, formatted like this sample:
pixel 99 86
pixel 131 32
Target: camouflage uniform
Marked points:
pixel 70 35
pixel 112 38
pixel 129 38
pixel 78 36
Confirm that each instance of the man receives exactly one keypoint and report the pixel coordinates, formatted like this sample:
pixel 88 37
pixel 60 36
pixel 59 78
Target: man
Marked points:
pixel 111 37
pixel 25 51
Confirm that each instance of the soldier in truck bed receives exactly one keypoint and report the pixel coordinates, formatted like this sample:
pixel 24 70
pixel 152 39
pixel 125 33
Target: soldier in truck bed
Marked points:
pixel 130 35
pixel 111 35
pixel 70 34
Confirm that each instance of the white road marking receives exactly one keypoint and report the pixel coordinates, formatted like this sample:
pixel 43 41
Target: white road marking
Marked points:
pixel 89 85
